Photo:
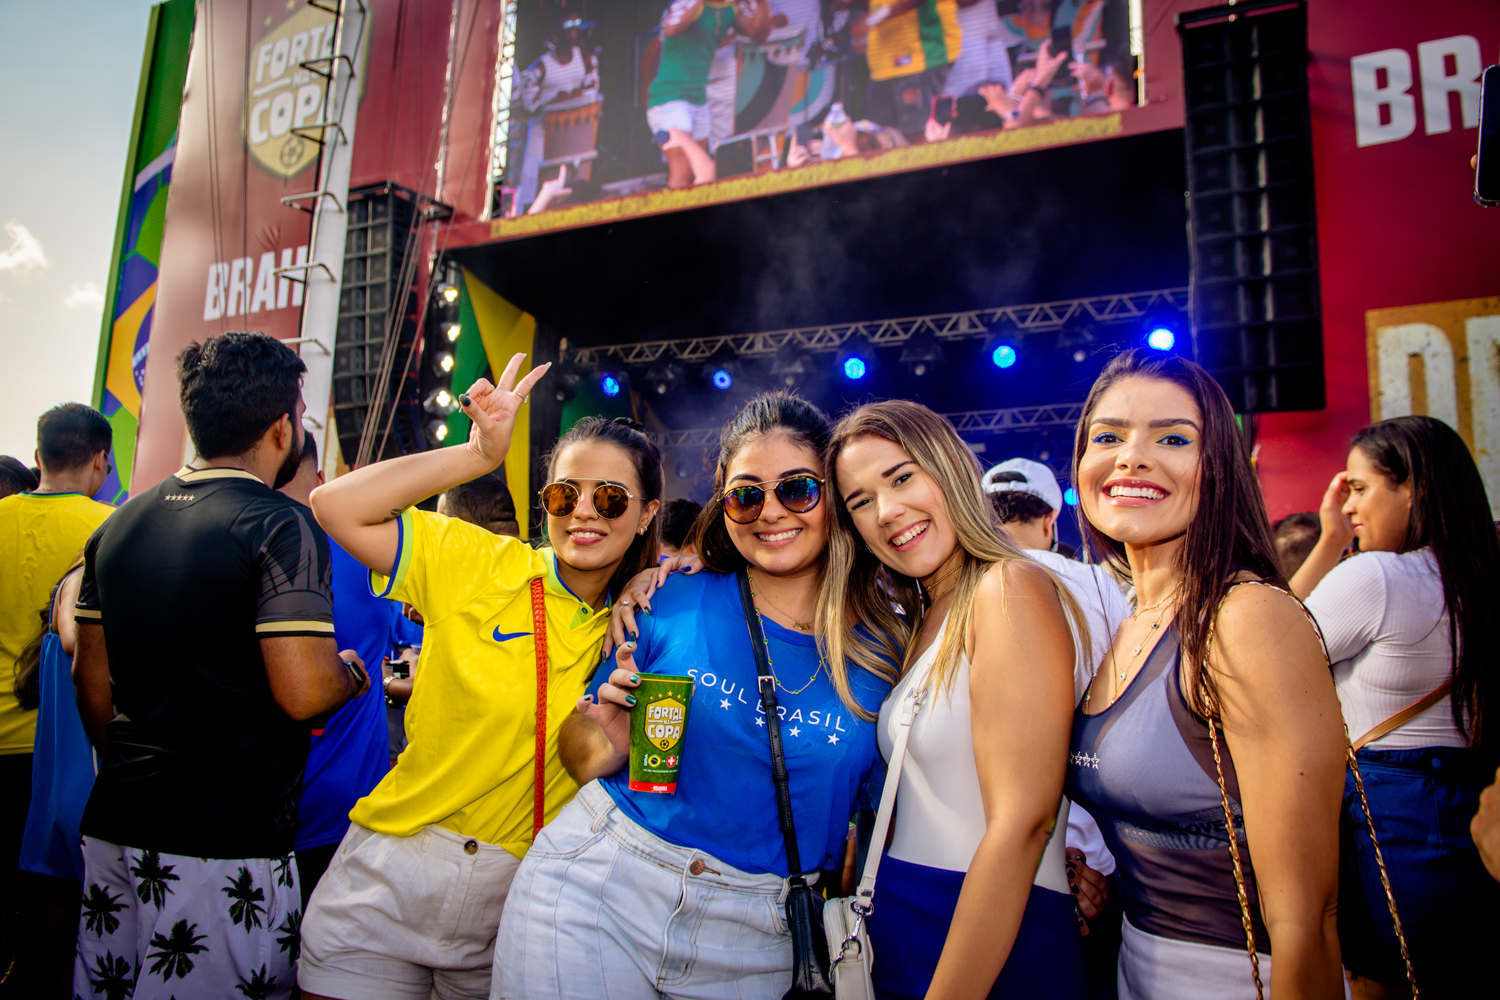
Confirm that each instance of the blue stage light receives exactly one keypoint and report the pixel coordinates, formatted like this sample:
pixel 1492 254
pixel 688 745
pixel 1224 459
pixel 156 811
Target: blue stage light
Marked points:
pixel 1161 339
pixel 855 368
pixel 1004 356
pixel 610 385
pixel 722 379
pixel 1071 497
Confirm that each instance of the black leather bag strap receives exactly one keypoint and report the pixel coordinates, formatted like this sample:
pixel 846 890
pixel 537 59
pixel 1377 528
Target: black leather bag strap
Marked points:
pixel 767 683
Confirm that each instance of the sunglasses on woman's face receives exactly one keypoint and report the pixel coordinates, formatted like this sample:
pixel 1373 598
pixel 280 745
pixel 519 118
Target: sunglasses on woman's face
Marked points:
pixel 798 494
pixel 611 500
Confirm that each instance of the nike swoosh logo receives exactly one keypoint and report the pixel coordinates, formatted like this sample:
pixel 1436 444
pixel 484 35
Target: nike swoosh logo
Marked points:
pixel 503 636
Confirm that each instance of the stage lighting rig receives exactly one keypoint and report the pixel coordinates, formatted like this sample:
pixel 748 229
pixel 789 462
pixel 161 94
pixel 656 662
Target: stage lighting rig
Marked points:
pixel 440 402
pixel 921 353
pixel 1004 355
pixel 451 331
pixel 443 362
pixel 662 376
pixel 564 378
pixel 437 431
pixel 857 360
pixel 788 367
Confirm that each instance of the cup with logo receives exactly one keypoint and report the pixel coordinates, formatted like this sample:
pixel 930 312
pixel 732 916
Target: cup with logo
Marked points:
pixel 657 725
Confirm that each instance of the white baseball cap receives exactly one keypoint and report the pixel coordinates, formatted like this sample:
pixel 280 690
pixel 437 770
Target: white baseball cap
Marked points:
pixel 1035 478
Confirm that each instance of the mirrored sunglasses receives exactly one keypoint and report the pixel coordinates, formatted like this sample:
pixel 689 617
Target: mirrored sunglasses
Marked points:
pixel 798 494
pixel 610 500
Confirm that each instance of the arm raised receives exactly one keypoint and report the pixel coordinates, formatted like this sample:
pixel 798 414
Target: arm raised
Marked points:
pixel 359 509
pixel 1285 730
pixel 1021 700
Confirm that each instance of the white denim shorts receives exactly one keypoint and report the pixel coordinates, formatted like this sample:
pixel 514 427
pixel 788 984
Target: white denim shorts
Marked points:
pixel 694 119
pixel 603 908
pixel 405 916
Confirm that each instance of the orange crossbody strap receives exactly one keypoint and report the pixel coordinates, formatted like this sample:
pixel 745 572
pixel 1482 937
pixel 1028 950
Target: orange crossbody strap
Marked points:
pixel 539 633
pixel 1404 716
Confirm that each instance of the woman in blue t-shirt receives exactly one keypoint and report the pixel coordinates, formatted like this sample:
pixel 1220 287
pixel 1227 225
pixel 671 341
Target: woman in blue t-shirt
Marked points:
pixel 641 894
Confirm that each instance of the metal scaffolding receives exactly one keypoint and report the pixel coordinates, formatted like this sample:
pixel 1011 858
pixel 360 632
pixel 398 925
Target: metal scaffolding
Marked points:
pixel 1018 320
pixel 970 422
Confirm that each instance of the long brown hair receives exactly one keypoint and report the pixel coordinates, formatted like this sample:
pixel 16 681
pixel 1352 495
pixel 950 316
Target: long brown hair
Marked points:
pixel 1450 513
pixel 1229 534
pixel 805 425
pixel 855 612
pixel 646 458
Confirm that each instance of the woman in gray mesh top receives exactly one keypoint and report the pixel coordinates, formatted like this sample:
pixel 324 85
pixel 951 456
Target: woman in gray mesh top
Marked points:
pixel 1214 698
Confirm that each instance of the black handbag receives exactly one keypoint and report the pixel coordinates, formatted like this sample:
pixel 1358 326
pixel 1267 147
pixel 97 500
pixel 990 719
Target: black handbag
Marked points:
pixel 804 908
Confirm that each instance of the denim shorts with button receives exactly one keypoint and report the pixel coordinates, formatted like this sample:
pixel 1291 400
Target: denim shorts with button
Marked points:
pixel 603 908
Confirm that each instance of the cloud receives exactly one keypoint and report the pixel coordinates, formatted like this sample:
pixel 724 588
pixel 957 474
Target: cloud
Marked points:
pixel 84 296
pixel 25 251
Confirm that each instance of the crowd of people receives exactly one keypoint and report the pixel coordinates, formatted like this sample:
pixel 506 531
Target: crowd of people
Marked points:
pixel 1204 756
pixel 879 74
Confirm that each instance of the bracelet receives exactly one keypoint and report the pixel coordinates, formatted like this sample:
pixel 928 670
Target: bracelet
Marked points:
pixel 385 689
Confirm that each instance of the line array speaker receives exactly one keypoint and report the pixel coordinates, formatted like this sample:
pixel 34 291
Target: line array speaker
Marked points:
pixel 380 224
pixel 1257 317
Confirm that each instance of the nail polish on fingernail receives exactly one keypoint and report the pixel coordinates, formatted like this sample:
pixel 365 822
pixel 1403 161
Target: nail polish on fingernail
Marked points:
pixel 635 678
pixel 630 699
pixel 634 636
pixel 1073 889
pixel 463 400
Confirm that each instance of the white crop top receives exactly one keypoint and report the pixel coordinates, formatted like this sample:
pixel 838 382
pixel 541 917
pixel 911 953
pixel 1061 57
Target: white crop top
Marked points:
pixel 1384 619
pixel 939 810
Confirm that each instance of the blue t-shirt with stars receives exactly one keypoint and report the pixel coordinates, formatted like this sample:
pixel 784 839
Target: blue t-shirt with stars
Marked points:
pixel 725 803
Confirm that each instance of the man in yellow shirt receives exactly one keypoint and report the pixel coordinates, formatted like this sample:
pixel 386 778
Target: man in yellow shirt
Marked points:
pixel 41 532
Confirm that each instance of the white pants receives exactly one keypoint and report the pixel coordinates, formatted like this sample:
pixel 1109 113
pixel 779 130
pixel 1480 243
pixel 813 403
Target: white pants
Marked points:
pixel 405 916
pixel 604 908
pixel 1158 968
pixel 185 927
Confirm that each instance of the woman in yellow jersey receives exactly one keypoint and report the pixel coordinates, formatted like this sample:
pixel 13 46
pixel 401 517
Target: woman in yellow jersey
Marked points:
pixel 411 901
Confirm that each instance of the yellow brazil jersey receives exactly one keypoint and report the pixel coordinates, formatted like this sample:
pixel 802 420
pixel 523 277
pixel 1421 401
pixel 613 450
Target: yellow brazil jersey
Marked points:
pixel 40 536
pixel 918 40
pixel 471 723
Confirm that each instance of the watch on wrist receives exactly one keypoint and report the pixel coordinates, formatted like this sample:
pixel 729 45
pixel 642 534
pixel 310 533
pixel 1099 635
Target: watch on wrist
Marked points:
pixel 357 672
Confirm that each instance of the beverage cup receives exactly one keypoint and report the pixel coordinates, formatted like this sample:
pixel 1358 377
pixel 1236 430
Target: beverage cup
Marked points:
pixel 658 723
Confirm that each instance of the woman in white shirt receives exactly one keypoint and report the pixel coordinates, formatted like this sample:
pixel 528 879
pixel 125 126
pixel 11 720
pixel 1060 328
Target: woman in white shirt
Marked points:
pixel 973 898
pixel 1411 624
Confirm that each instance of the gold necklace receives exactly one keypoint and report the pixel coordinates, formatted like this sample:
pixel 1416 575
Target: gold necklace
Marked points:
pixel 767 641
pixel 800 626
pixel 1120 688
pixel 1153 607
pixel 928 591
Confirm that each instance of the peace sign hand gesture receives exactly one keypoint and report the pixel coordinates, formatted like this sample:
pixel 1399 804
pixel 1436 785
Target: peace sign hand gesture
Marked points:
pixel 493 408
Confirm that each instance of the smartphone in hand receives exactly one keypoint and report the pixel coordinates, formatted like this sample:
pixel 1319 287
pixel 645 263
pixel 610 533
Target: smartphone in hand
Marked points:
pixel 1487 170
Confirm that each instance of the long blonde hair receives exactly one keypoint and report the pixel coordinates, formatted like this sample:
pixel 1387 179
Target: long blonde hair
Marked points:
pixel 860 590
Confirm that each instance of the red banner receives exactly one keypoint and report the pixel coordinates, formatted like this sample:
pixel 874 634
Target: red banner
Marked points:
pixel 244 144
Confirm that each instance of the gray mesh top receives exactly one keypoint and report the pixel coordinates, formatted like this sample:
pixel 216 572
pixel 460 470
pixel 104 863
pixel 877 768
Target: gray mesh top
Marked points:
pixel 1144 768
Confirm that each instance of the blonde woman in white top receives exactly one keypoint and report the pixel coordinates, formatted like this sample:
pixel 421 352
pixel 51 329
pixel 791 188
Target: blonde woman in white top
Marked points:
pixel 972 899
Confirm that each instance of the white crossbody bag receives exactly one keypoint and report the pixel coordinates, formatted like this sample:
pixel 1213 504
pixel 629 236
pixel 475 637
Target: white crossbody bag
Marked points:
pixel 850 957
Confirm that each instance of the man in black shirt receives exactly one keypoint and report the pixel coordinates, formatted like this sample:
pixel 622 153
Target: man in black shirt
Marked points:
pixel 205 645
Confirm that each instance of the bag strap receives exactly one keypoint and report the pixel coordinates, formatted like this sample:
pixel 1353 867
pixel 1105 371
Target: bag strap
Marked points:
pixel 866 891
pixel 539 634
pixel 1404 716
pixel 1359 784
pixel 767 682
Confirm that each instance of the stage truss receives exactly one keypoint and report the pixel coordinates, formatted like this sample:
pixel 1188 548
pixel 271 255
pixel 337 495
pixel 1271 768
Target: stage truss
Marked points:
pixel 1017 320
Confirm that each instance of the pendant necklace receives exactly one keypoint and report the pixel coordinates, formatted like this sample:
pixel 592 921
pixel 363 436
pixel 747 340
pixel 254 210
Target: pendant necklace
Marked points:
pixel 798 625
pixel 1120 687
pixel 765 639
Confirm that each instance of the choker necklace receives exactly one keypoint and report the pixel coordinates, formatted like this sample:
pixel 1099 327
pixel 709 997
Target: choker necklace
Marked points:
pixel 928 591
pixel 800 626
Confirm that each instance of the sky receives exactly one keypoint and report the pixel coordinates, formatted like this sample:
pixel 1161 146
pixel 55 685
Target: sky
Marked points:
pixel 67 96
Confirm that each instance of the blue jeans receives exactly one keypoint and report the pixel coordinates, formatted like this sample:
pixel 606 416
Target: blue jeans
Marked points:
pixel 1422 801
pixel 601 907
